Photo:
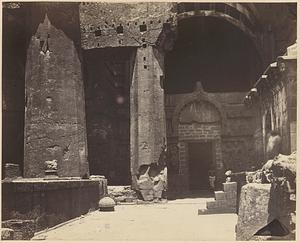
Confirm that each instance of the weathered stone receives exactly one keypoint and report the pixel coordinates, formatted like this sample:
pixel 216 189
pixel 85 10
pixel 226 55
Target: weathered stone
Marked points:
pixel 55 115
pixel 11 170
pixel 260 204
pixel 107 204
pixel 22 229
pixel 55 108
pixel 114 25
pixel 148 131
pixel 7 234
pixel 147 194
pixel 102 184
pixel 220 195
pixel 48 202
pixel 273 145
pixel 230 186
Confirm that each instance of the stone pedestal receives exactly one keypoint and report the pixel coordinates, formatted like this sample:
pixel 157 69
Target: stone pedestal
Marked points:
pixel 55 105
pixel 148 129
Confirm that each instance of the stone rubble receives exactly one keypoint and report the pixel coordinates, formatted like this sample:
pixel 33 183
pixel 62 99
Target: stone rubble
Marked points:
pixel 268 197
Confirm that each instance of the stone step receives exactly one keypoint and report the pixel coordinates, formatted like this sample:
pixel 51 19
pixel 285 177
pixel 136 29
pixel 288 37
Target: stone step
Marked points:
pixel 230 186
pixel 220 195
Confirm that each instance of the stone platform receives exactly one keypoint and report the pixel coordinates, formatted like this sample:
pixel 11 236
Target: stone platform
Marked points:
pixel 49 202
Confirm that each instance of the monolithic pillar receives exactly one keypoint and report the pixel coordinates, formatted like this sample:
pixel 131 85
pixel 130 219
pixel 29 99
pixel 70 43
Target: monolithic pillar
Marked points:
pixel 55 107
pixel 148 128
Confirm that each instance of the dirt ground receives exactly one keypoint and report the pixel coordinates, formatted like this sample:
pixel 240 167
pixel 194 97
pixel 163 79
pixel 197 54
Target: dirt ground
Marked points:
pixel 174 220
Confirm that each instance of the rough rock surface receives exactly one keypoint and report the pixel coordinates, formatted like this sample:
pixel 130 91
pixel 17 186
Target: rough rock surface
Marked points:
pixel 260 204
pixel 55 105
pixel 23 229
pixel 7 234
pixel 122 194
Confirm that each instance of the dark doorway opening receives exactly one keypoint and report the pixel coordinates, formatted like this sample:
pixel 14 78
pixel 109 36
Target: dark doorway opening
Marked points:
pixel 200 162
pixel 107 76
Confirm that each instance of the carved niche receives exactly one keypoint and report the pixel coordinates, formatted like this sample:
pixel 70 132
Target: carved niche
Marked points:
pixel 199 112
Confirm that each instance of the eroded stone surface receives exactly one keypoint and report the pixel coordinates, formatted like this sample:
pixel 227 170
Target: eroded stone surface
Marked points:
pixel 260 204
pixel 55 111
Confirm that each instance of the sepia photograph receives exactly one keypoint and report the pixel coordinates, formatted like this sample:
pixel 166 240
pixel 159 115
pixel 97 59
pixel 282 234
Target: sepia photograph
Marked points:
pixel 148 121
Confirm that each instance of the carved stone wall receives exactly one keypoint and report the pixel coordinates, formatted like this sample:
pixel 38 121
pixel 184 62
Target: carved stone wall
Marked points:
pixel 108 76
pixel 279 103
pixel 55 108
pixel 147 124
pixel 232 131
pixel 201 133
pixel 123 24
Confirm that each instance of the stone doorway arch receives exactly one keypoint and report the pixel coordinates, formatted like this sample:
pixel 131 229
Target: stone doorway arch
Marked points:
pixel 197 121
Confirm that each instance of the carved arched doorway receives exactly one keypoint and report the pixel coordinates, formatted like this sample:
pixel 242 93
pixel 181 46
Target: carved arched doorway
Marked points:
pixel 195 147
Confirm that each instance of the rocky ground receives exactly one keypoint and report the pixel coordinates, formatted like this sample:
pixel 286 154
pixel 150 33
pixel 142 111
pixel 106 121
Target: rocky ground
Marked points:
pixel 173 220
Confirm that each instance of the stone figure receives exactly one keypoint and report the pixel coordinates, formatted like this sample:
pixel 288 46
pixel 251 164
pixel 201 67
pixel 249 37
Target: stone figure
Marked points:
pixel 273 145
pixel 212 179
pixel 51 164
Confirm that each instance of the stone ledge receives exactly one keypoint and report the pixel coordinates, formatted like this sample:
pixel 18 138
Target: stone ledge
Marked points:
pixel 38 184
pixel 49 202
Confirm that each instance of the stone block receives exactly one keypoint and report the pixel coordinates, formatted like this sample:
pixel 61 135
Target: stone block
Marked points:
pixel 147 194
pixel 23 229
pixel 231 195
pixel 211 205
pixel 11 170
pixel 222 203
pixel 230 186
pixel 60 199
pixel 259 205
pixel 7 234
pixel 102 184
pixel 220 195
pixel 231 202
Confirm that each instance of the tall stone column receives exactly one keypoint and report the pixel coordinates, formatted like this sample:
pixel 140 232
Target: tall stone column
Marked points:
pixel 148 124
pixel 55 126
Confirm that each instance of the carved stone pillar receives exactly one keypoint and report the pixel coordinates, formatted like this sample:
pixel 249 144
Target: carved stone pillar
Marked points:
pixel 55 106
pixel 148 124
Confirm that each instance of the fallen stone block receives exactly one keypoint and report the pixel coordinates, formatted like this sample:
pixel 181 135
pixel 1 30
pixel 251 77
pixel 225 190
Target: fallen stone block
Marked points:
pixel 147 195
pixel 260 204
pixel 7 234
